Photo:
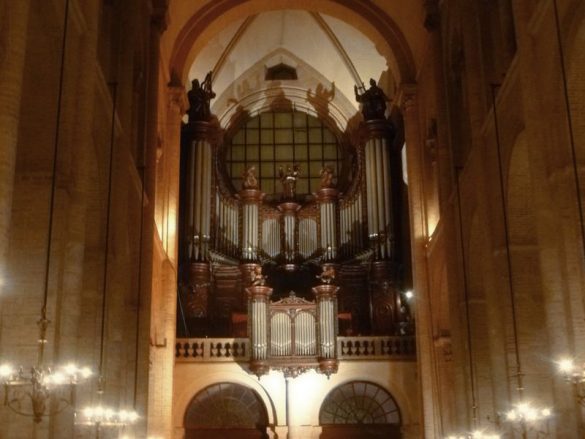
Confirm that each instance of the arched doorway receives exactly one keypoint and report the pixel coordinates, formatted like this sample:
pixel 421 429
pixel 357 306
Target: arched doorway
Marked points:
pixel 360 409
pixel 226 410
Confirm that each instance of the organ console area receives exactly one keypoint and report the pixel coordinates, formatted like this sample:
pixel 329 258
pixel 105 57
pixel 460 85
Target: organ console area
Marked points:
pixel 291 234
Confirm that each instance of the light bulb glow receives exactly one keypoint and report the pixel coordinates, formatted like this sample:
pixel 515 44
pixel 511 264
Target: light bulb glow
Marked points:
pixel 526 412
pixel 566 365
pixel 106 416
pixel 6 370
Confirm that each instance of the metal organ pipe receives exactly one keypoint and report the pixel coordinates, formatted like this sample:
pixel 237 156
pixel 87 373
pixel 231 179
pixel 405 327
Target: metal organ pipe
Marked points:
pixel 387 198
pixel 379 196
pixel 380 193
pixel 191 191
pixel 358 216
pixel 196 223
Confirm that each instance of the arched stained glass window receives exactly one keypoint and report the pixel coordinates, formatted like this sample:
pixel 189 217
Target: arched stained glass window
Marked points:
pixel 358 403
pixel 226 406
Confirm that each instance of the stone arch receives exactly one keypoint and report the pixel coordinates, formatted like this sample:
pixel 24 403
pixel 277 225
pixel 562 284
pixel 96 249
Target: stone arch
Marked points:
pixel 226 407
pixel 367 407
pixel 368 18
pixel 182 397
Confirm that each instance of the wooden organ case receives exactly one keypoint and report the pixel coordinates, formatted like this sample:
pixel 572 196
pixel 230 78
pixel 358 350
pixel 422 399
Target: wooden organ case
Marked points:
pixel 252 264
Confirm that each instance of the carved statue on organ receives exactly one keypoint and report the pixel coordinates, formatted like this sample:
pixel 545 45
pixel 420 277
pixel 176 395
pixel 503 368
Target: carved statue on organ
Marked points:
pixel 289 180
pixel 326 177
pixel 249 178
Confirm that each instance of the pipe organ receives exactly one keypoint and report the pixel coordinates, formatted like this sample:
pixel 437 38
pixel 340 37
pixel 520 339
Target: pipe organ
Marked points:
pixel 257 256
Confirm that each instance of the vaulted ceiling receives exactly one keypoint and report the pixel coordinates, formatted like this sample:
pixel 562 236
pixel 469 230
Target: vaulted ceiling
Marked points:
pixel 330 57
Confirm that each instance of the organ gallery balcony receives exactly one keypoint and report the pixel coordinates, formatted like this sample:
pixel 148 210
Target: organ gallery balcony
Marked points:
pixel 359 348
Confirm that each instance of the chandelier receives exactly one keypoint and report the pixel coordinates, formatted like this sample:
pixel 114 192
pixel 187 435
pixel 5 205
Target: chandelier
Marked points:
pixel 475 435
pixel 29 392
pixel 102 416
pixel 526 419
pixel 574 375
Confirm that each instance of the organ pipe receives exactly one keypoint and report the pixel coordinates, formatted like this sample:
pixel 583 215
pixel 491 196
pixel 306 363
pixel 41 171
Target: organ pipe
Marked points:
pixel 378 188
pixel 327 198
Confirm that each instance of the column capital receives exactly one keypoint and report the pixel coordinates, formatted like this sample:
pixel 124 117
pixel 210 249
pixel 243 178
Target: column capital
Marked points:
pixel 378 128
pixel 325 291
pixel 200 130
pixel 251 196
pixel 327 195
pixel 406 96
pixel 259 293
pixel 289 207
pixel 177 99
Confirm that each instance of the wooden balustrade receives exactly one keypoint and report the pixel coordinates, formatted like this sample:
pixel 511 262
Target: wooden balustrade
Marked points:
pixel 374 348
pixel 212 349
pixel 393 348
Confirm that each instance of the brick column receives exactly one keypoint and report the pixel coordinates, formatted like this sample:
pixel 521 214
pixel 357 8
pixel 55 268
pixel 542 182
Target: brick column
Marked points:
pixel 13 32
pixel 424 329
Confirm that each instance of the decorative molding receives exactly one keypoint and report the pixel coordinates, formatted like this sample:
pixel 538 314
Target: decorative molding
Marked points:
pixel 406 96
pixel 292 299
pixel 177 99
pixel 294 371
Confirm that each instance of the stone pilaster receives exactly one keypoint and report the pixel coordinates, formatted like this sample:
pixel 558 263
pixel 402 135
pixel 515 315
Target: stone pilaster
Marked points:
pixel 424 328
pixel 13 35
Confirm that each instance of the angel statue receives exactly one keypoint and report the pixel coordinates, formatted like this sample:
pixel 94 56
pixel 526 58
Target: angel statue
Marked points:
pixel 258 279
pixel 327 275
pixel 289 180
pixel 326 177
pixel 249 178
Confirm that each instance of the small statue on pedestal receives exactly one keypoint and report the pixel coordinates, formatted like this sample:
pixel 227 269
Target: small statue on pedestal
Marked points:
pixel 326 177
pixel 199 98
pixel 327 275
pixel 258 279
pixel 249 178
pixel 289 180
pixel 373 101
